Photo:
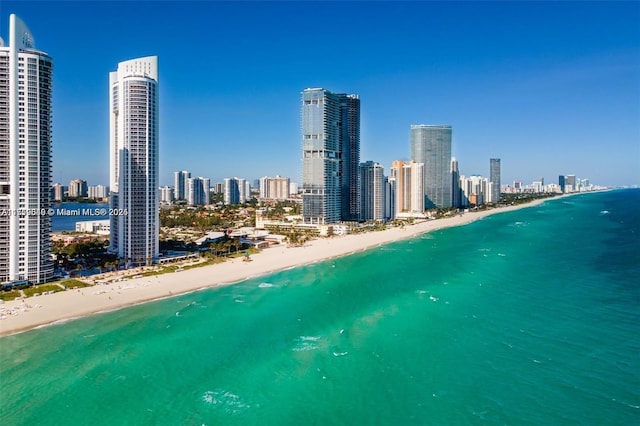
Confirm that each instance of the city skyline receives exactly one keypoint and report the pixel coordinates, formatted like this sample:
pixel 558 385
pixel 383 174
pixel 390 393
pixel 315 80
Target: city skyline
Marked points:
pixel 546 98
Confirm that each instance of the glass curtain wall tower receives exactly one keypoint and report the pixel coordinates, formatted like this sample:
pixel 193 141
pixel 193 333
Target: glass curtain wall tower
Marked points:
pixel 25 157
pixel 133 107
pixel 321 181
pixel 350 156
pixel 431 145
pixel 330 156
pixel 494 178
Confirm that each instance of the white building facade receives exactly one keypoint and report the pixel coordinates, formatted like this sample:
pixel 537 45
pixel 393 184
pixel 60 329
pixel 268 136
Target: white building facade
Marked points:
pixel 25 157
pixel 133 107
pixel 198 191
pixel 180 182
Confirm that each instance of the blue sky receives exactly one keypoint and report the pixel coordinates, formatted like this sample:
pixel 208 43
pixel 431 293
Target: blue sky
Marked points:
pixel 549 87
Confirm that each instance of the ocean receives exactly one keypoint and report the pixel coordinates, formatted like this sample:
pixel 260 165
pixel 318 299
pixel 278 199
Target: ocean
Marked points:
pixel 529 317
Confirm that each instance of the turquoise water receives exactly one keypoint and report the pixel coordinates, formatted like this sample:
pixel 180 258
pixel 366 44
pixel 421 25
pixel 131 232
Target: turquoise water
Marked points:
pixel 530 318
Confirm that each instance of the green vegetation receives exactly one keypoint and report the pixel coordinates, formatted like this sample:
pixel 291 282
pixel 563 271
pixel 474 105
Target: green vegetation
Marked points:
pixel 9 295
pixel 521 198
pixel 43 288
pixel 189 217
pixel 73 283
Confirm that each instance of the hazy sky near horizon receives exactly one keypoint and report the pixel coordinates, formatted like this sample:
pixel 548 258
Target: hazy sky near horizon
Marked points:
pixel 549 87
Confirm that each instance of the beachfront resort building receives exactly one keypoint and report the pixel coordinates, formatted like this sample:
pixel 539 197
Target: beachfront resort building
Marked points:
pixel 330 156
pixel 476 190
pixel 408 188
pixel 372 191
pixel 133 156
pixel 431 146
pixel 494 178
pixel 456 193
pixel 25 157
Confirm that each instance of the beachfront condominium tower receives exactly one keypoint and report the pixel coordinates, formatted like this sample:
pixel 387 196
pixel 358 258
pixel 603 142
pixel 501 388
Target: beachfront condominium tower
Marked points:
pixel 456 199
pixel 372 191
pixel 494 178
pixel 408 179
pixel 350 156
pixel 133 156
pixel 25 157
pixel 431 145
pixel 330 156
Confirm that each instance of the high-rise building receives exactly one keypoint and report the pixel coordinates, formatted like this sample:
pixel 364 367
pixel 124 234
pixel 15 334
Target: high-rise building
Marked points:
pixel 166 194
pixel 78 188
pixel 330 156
pixel 431 145
pixel 349 156
pixel 372 189
pixel 97 191
pixel 570 183
pixel 389 198
pixel 133 107
pixel 232 190
pixel 198 191
pixel 456 194
pixel 409 188
pixel 58 192
pixel 25 157
pixel 562 182
pixel 218 188
pixel 276 188
pixel 494 178
pixel 475 190
pixel 180 184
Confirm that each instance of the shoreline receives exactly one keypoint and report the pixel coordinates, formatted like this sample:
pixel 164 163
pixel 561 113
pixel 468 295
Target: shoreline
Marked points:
pixel 58 308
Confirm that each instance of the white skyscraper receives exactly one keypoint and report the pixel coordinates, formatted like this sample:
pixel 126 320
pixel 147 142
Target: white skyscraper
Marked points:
pixel 198 191
pixel 133 107
pixel 180 181
pixel 25 157
pixel 166 194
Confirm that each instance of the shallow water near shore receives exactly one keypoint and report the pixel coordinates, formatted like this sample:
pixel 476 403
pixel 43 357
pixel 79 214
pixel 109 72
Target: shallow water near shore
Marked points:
pixel 526 317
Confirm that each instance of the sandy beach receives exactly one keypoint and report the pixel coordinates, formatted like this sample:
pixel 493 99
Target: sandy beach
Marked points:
pixel 62 306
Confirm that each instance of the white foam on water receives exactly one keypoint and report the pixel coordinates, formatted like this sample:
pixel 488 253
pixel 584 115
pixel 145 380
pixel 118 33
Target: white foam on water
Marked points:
pixel 266 285
pixel 306 343
pixel 229 402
